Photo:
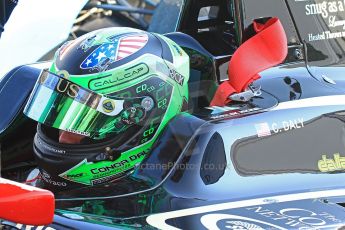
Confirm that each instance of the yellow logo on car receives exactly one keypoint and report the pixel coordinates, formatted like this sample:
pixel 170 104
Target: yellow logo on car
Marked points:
pixel 332 164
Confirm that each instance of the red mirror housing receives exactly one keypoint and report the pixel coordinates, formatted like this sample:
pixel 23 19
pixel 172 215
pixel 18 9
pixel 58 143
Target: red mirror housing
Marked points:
pixel 25 204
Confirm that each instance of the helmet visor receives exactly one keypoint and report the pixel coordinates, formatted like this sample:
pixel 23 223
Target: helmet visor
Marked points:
pixel 62 104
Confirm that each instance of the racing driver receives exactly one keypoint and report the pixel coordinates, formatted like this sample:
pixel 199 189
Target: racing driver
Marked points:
pixel 102 104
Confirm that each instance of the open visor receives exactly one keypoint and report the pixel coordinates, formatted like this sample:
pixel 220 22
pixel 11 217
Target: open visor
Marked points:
pixel 62 104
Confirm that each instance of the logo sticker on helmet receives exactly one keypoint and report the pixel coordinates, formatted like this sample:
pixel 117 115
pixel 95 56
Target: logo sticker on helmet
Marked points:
pixel 48 179
pixel 63 73
pixel 176 76
pixel 114 80
pixel 129 45
pixel 108 53
pixel 147 103
pixel 89 173
pixel 88 43
pixel 108 106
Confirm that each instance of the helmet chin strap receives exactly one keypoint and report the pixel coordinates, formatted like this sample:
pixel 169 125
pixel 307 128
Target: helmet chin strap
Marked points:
pixel 70 138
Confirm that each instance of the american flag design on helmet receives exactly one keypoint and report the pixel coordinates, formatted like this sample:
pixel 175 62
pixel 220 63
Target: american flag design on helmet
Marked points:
pixel 129 45
pixel 118 49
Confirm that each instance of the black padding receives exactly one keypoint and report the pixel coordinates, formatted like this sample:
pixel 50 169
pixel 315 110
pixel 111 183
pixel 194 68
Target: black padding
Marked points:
pixel 187 41
pixel 15 88
pixel 203 79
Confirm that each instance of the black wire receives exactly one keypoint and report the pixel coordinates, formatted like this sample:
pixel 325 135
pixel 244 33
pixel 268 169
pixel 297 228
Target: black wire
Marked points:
pixel 6 8
pixel 2 23
pixel 3 12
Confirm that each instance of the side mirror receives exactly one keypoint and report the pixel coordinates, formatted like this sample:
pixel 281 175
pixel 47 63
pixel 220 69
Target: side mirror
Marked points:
pixel 25 204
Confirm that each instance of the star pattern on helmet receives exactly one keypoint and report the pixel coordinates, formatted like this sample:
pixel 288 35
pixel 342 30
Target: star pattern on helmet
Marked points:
pixel 99 55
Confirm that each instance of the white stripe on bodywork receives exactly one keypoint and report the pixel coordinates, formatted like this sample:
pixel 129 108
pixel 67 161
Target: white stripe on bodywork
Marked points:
pixel 159 220
pixel 312 102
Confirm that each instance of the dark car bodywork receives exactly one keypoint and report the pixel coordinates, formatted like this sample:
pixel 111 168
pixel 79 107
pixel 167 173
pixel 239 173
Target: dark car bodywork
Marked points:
pixel 276 161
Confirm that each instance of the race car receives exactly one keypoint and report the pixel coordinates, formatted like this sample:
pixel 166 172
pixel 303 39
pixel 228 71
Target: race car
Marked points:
pixel 262 144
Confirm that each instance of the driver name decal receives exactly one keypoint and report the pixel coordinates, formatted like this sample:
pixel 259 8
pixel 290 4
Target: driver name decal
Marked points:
pixel 264 129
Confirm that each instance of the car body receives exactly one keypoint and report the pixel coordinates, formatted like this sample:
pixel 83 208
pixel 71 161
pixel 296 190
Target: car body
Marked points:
pixel 276 161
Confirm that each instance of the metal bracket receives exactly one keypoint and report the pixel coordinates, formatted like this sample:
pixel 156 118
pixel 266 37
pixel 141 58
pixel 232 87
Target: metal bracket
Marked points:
pixel 251 92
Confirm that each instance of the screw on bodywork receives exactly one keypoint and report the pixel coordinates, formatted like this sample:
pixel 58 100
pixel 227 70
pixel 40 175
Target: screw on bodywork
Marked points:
pixel 298 54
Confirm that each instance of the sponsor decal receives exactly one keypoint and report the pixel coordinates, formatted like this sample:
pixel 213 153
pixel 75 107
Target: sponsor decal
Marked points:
pixel 329 11
pixel 108 106
pixel 100 170
pixel 242 225
pixel 147 103
pixel 173 74
pixel 92 173
pixel 47 178
pixel 108 178
pixel 47 147
pixel 63 73
pixel 291 211
pixel 229 111
pixel 298 218
pixel 116 79
pixel 331 165
pixel 69 176
pixel 220 221
pixel 176 76
pixel 88 43
pixel 87 134
pixel 326 35
pixel 108 53
pixel 69 89
pixel 81 95
pixel 24 226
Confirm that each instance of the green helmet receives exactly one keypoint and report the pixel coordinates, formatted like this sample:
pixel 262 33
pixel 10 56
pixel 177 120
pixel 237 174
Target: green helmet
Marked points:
pixel 102 104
